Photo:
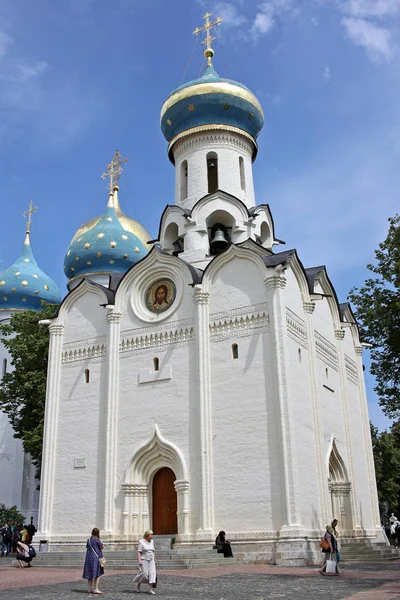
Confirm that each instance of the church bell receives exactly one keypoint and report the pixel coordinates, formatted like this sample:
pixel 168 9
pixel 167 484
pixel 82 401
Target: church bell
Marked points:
pixel 219 242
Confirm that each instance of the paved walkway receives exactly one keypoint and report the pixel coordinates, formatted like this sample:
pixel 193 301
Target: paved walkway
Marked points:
pixel 234 582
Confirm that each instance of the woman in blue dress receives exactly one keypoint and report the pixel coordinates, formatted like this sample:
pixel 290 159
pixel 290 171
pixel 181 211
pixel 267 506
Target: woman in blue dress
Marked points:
pixel 92 569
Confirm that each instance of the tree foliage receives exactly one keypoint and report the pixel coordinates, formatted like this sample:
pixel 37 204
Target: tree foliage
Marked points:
pixel 386 450
pixel 377 308
pixel 23 390
pixel 10 515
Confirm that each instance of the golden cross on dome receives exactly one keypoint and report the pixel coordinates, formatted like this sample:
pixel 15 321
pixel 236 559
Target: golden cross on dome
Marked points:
pixel 29 213
pixel 114 170
pixel 209 52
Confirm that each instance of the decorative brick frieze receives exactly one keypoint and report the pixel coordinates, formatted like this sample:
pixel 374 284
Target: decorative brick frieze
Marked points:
pixel 141 341
pixel 351 370
pixel 296 328
pixel 239 322
pixel 326 351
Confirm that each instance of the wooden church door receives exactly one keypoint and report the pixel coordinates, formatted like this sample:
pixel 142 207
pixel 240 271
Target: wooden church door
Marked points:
pixel 165 520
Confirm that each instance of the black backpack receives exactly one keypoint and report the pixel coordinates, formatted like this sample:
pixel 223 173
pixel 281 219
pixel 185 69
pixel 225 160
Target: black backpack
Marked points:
pixel 32 552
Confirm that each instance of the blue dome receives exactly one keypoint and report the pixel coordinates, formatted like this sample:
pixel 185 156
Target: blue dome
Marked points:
pixel 106 244
pixel 211 100
pixel 24 285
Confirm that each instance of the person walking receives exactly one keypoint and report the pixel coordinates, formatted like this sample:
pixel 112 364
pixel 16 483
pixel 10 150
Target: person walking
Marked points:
pixel 93 568
pixel 5 540
pixel 331 537
pixel 147 560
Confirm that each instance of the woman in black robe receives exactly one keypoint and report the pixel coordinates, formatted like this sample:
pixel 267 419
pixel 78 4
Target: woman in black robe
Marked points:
pixel 223 545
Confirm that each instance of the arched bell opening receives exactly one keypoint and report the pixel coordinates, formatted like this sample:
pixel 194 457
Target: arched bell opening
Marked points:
pixel 219 225
pixel 340 491
pixel 173 243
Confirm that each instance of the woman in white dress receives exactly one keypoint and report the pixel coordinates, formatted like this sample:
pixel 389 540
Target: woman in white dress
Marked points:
pixel 147 559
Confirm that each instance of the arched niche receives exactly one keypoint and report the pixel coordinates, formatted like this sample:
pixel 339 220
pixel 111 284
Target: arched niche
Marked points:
pixel 340 490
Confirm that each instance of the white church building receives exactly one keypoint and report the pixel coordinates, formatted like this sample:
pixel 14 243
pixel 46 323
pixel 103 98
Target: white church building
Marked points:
pixel 23 286
pixel 213 382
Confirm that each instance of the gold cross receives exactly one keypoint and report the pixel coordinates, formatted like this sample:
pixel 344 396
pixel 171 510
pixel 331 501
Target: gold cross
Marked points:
pixel 114 170
pixel 209 52
pixel 29 213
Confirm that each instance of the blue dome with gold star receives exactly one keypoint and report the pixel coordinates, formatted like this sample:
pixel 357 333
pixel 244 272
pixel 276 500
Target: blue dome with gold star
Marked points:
pixel 24 285
pixel 211 102
pixel 108 244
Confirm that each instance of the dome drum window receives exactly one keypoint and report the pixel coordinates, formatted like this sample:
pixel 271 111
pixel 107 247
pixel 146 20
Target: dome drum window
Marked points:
pixel 212 172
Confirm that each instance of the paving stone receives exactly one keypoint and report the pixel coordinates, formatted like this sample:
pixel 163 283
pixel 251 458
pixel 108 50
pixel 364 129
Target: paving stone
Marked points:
pixel 301 583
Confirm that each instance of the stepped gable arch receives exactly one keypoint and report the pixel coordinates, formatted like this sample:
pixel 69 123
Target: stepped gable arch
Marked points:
pixel 232 251
pixel 348 320
pixel 290 258
pixel 319 275
pixel 156 264
pixel 86 286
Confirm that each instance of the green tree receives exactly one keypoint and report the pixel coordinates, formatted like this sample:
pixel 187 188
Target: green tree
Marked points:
pixel 387 466
pixel 23 390
pixel 377 308
pixel 10 515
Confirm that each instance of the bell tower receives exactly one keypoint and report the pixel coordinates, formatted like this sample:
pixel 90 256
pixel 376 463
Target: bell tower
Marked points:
pixel 211 125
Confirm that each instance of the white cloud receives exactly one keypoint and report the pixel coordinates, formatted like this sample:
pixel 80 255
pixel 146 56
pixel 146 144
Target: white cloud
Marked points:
pixel 265 20
pixel 229 13
pixel 371 8
pixel 6 41
pixel 54 112
pixel 327 73
pixel 377 41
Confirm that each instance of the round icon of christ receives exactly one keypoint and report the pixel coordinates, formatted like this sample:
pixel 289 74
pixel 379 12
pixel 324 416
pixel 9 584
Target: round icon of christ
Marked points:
pixel 160 295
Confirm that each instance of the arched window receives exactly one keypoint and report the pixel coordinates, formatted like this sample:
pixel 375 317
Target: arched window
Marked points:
pixel 235 351
pixel 156 364
pixel 212 172
pixel 242 175
pixel 4 366
pixel 184 180
pixel 87 375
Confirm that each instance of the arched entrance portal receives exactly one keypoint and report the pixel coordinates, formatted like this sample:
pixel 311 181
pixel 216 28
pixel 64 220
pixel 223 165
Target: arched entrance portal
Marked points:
pixel 165 519
pixel 340 490
pixel 156 490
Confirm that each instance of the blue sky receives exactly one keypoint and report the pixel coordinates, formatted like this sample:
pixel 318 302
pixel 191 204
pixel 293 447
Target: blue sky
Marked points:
pixel 80 78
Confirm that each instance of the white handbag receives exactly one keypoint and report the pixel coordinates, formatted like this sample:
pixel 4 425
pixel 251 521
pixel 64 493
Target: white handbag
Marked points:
pixel 331 566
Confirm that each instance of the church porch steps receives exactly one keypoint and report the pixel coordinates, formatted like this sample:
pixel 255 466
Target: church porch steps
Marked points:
pixel 166 560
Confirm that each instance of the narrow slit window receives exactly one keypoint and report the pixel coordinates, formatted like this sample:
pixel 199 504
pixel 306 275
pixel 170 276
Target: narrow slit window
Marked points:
pixel 327 373
pixel 4 366
pixel 184 180
pixel 242 175
pixel 299 353
pixel 156 364
pixel 212 172
pixel 87 375
pixel 235 351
